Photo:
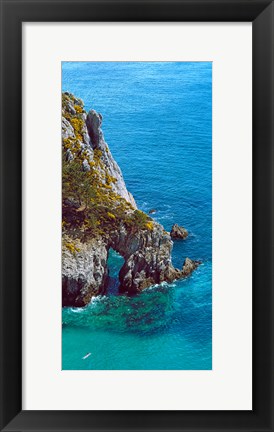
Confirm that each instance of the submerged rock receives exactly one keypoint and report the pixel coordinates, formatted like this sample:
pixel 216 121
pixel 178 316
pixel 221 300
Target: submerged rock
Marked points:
pixel 178 232
pixel 152 211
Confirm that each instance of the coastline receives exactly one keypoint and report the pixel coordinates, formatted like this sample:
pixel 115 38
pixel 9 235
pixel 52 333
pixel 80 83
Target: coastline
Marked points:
pixel 170 329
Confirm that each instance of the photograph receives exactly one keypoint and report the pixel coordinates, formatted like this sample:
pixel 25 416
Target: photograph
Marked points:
pixel 136 215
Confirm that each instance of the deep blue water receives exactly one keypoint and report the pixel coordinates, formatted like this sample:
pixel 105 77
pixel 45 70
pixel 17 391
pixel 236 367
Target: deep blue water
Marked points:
pixel 157 120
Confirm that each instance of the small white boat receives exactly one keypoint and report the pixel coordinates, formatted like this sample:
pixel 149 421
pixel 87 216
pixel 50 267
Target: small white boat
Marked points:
pixel 86 356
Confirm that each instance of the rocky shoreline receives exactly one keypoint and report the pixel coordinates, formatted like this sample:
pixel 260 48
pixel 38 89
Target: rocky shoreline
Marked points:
pixel 99 213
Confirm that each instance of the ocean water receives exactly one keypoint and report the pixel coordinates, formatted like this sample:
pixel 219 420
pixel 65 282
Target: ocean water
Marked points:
pixel 157 121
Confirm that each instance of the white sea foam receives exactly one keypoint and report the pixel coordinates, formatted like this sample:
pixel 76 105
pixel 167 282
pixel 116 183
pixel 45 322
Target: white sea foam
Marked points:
pixel 76 309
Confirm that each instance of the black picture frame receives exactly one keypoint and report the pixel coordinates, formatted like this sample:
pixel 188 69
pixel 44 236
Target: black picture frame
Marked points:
pixel 13 14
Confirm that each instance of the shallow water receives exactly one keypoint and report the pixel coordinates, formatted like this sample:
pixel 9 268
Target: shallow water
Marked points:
pixel 157 122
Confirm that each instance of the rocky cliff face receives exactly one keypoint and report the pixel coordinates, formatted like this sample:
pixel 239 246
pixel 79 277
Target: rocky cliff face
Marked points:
pixel 85 130
pixel 99 213
pixel 84 272
pixel 147 255
pixel 93 123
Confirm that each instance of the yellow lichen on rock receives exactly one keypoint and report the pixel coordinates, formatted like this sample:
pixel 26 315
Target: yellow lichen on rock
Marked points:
pixel 72 248
pixel 149 225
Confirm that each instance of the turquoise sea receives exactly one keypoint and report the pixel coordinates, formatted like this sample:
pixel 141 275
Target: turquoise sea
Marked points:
pixel 157 121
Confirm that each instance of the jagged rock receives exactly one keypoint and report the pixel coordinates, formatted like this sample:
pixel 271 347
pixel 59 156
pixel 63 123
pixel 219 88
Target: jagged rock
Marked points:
pixel 93 139
pixel 67 129
pixel 71 109
pixel 146 249
pixel 178 232
pixel 189 266
pixel 84 270
pixel 86 166
pixel 147 258
pixel 147 262
pixel 69 156
pixel 94 122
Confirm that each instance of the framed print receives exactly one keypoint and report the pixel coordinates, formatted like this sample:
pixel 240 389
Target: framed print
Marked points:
pixel 134 328
pixel 136 224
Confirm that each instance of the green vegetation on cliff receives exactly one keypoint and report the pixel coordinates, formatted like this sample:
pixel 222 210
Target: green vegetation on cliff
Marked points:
pixel 89 202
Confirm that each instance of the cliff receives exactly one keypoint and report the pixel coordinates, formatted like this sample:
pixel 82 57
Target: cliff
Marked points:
pixel 99 213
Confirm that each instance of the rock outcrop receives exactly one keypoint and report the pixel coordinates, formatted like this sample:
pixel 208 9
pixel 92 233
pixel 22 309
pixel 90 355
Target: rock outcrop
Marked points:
pixel 97 142
pixel 99 213
pixel 178 232
pixel 84 272
pixel 189 266
pixel 147 255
